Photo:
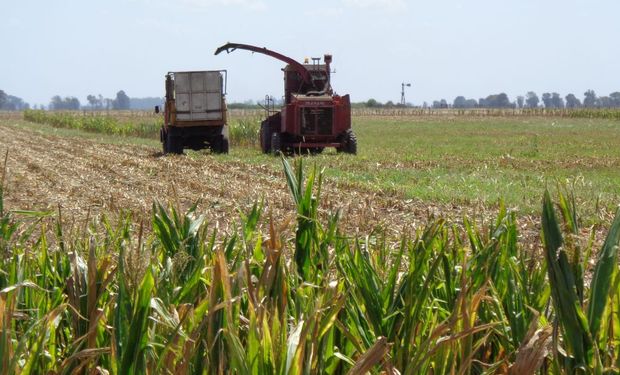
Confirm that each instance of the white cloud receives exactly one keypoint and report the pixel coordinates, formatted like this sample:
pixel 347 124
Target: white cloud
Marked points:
pixel 384 4
pixel 324 12
pixel 244 4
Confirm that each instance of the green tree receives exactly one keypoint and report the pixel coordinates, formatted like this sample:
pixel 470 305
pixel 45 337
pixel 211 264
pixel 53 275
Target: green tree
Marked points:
pixel 531 100
pixel 93 101
pixel 121 101
pixel 3 99
pixel 572 101
pixel 556 100
pixel 615 98
pixel 459 102
pixel 546 98
pixel 520 101
pixel 372 103
pixel 589 99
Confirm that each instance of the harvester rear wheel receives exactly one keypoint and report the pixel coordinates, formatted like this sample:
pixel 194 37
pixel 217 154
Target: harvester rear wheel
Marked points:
pixel 265 137
pixel 276 143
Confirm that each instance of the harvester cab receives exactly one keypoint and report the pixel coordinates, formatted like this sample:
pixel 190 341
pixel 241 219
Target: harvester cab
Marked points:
pixel 312 116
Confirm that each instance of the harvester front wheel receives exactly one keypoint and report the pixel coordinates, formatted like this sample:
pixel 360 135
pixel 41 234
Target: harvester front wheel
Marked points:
pixel 349 143
pixel 265 137
pixel 276 143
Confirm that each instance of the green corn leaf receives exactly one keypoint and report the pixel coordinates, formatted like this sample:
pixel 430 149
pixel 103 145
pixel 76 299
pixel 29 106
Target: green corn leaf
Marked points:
pixel 133 356
pixel 606 268
pixel 563 289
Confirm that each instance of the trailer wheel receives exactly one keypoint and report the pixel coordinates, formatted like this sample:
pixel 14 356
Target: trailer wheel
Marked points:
pixel 349 143
pixel 265 137
pixel 224 145
pixel 276 143
pixel 163 138
pixel 174 144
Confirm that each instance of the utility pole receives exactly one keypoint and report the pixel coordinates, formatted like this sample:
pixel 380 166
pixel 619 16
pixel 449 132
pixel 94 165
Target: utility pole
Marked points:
pixel 402 93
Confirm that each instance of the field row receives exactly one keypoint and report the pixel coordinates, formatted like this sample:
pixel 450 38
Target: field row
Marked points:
pixel 182 297
pixel 462 161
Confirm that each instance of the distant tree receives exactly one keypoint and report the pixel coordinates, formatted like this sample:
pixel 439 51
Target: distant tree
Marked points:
pixel 73 103
pixel 440 103
pixel 93 101
pixel 572 101
pixel 604 101
pixel 589 99
pixel 615 99
pixel 371 103
pixel 68 103
pixel 3 99
pixel 520 101
pixel 56 102
pixel 497 101
pixel 11 103
pixel 546 99
pixel 122 101
pixel 556 100
pixel 459 102
pixel 389 104
pixel 471 103
pixel 531 100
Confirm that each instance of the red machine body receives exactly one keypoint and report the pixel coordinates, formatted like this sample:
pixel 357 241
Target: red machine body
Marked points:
pixel 312 116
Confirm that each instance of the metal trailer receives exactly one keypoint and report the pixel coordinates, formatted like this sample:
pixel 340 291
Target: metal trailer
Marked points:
pixel 313 116
pixel 195 112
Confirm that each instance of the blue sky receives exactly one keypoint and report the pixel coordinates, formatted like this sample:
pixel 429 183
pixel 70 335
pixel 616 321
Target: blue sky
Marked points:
pixel 444 48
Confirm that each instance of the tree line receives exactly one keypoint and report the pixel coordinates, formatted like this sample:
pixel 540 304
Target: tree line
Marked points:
pixel 11 103
pixel 501 100
pixel 121 101
pixel 531 100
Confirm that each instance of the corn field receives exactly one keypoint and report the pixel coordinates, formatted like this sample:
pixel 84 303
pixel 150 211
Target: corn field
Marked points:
pixel 242 130
pixel 592 113
pixel 172 295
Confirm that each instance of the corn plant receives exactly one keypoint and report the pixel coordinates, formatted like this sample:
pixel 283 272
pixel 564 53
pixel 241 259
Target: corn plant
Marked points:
pixel 116 297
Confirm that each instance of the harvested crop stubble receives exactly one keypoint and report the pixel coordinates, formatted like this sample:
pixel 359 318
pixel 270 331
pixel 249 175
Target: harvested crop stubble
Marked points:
pixel 84 176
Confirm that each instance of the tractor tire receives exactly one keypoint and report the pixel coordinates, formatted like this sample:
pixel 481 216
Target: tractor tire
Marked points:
pixel 349 143
pixel 163 138
pixel 276 143
pixel 265 137
pixel 219 145
pixel 174 144
pixel 224 145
